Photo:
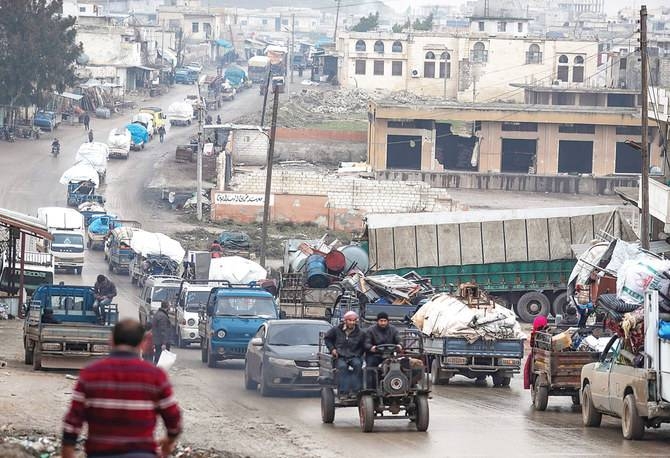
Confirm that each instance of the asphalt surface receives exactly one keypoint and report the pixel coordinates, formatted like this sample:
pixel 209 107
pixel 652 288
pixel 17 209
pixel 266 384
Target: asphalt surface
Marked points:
pixel 466 420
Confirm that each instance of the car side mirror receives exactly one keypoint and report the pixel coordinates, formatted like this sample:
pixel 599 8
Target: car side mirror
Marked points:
pixel 148 300
pixel 257 342
pixel 209 310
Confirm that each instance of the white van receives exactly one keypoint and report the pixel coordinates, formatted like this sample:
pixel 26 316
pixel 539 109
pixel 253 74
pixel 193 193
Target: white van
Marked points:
pixel 67 227
pixel 192 298
pixel 156 289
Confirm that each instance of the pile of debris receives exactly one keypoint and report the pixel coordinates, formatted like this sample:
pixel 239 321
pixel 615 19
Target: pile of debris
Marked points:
pixel 339 101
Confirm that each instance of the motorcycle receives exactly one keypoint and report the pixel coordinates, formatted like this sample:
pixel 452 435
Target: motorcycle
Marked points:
pixel 55 150
pixel 8 134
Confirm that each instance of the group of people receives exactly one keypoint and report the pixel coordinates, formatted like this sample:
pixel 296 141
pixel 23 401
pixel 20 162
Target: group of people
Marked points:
pixel 349 344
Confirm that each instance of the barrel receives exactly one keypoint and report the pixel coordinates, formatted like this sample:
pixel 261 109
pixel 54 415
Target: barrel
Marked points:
pixel 316 271
pixel 335 261
pixel 355 257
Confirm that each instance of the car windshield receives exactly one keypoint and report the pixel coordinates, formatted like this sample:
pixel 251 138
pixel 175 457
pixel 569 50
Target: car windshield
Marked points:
pixel 295 334
pixel 195 300
pixel 164 293
pixel 262 307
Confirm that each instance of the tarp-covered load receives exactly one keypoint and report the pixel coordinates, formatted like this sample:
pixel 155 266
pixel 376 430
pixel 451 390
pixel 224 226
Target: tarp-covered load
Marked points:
pixel 483 237
pixel 94 154
pixel 446 315
pixel 124 234
pixel 235 74
pixel 80 172
pixel 119 139
pixel 179 110
pixel 101 225
pixel 236 270
pixel 138 133
pixel 156 244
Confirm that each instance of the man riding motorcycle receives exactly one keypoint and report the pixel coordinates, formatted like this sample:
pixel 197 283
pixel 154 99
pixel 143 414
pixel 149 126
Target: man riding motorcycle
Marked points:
pixel 55 147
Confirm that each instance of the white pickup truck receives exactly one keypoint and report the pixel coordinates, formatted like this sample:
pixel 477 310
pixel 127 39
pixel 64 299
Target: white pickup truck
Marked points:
pixel 639 394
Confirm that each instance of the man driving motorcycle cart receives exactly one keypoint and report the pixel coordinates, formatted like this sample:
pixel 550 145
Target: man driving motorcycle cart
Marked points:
pixel 382 333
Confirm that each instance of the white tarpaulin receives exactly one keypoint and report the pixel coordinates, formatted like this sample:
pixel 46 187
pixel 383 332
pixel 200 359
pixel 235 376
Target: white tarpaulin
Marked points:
pixel 119 139
pixel 95 154
pixel 236 270
pixel 180 110
pixel 445 315
pixel 156 244
pixel 80 172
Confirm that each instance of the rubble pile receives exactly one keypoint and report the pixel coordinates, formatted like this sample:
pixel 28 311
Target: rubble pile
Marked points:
pixel 340 101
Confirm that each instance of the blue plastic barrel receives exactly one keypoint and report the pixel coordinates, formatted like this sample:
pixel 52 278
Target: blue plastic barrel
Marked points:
pixel 316 272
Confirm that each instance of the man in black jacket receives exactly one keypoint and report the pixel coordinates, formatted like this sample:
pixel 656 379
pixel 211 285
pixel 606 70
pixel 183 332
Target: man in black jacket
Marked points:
pixel 160 330
pixel 105 291
pixel 346 343
pixel 382 333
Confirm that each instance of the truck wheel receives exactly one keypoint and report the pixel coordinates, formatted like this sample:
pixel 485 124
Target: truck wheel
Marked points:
pixel 590 416
pixel 249 383
pixel 532 305
pixel 110 267
pixel 501 380
pixel 28 358
pixel 37 359
pixel 540 395
pixel 632 424
pixel 480 380
pixel 203 350
pixel 560 304
pixel 211 358
pixel 422 412
pixel 436 377
pixel 366 413
pixel 180 342
pixel 327 405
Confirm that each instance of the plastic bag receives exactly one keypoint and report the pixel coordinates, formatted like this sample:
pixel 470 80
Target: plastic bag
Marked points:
pixel 166 360
pixel 637 276
pixel 664 330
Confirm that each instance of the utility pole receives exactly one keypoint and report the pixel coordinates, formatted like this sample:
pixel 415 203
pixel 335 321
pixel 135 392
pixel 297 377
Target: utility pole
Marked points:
pixel 265 98
pixel 201 145
pixel 337 18
pixel 268 177
pixel 291 49
pixel 644 147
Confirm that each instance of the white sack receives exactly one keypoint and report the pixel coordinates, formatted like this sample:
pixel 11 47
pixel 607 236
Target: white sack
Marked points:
pixel 156 244
pixel 80 172
pixel 94 154
pixel 236 270
pixel 119 139
pixel 638 275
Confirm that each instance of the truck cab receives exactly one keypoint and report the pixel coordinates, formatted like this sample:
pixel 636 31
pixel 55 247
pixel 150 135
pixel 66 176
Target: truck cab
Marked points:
pixel 232 316
pixel 620 385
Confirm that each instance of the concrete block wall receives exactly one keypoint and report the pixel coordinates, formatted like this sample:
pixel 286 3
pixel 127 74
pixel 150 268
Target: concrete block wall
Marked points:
pixel 354 193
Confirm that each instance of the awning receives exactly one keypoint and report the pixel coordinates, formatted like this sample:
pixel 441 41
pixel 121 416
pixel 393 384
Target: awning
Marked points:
pixel 24 223
pixel 148 69
pixel 223 43
pixel 168 55
pixel 70 95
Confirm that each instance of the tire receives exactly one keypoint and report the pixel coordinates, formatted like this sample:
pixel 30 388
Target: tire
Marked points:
pixel 540 395
pixel 632 424
pixel 481 380
pixel 532 305
pixel 575 400
pixel 203 350
pixel 366 413
pixel 501 380
pixel 180 342
pixel 422 413
pixel 436 374
pixel 249 383
pixel 211 359
pixel 110 267
pixel 590 416
pixel 37 359
pixel 327 405
pixel 560 303
pixel 142 146
pixel 28 357
pixel 265 389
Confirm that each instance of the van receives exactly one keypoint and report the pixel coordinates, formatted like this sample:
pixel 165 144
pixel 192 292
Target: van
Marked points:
pixel 157 288
pixel 191 301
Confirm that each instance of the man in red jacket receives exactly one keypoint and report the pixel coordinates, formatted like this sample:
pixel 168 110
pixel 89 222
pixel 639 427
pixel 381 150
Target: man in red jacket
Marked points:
pixel 119 397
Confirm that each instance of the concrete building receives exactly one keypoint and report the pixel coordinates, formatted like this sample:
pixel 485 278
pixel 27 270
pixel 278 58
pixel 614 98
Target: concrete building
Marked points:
pixel 278 19
pixel 475 67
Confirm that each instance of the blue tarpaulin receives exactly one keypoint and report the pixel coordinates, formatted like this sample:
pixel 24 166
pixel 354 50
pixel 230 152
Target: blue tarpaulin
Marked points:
pixel 138 133
pixel 224 43
pixel 235 74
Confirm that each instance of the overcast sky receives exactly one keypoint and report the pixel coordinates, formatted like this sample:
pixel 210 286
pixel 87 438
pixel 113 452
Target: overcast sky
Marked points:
pixel 611 6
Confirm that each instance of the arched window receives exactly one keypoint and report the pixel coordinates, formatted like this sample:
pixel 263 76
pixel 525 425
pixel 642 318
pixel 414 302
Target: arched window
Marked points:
pixel 578 69
pixel 534 56
pixel 379 46
pixel 396 47
pixel 445 65
pixel 429 65
pixel 563 59
pixel 562 69
pixel 360 45
pixel 479 53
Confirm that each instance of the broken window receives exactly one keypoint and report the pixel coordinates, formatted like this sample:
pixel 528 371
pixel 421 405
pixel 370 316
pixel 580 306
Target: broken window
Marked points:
pixel 396 47
pixel 479 54
pixel 628 159
pixel 445 65
pixel 396 68
pixel 575 156
pixel 379 46
pixel 403 152
pixel 518 155
pixel 360 67
pixel 455 152
pixel 360 46
pixel 534 56
pixel 378 68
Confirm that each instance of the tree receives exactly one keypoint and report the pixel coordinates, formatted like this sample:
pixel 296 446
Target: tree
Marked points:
pixel 398 28
pixel 371 22
pixel 425 24
pixel 37 50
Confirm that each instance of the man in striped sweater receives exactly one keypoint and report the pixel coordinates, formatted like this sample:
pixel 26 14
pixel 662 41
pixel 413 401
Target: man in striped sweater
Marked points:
pixel 119 398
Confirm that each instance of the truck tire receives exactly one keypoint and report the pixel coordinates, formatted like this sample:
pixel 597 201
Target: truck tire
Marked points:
pixel 590 416
pixel 540 395
pixel 37 359
pixel 211 358
pixel 327 405
pixel 632 424
pixel 28 357
pixel 531 305
pixel 366 413
pixel 436 377
pixel 501 380
pixel 422 412
pixel 560 304
pixel 203 350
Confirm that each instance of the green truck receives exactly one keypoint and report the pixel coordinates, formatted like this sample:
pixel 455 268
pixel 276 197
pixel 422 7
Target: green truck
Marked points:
pixel 521 257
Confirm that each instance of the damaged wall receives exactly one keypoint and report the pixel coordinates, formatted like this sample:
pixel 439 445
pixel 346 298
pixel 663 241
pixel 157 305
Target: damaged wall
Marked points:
pixel 320 146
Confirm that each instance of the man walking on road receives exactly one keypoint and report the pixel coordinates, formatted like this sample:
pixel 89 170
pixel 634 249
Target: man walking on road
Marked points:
pixel 90 136
pixel 161 133
pixel 119 397
pixel 87 120
pixel 160 328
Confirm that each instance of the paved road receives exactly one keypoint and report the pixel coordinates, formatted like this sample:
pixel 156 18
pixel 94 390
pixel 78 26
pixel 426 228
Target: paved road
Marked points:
pixel 466 420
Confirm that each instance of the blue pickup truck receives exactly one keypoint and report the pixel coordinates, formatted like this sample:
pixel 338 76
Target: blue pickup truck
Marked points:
pixel 233 314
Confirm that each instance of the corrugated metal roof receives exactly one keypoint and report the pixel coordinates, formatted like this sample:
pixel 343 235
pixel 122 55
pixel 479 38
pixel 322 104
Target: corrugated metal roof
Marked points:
pixel 378 221
pixel 25 223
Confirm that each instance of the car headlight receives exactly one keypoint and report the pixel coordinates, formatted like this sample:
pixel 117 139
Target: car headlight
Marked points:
pixel 220 333
pixel 191 322
pixel 281 361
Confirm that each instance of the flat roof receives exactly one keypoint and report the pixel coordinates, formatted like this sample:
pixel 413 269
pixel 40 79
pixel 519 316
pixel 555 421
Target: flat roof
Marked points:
pixel 24 223
pixel 572 89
